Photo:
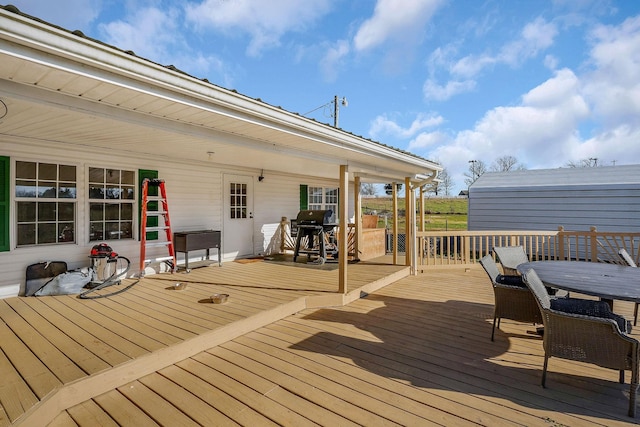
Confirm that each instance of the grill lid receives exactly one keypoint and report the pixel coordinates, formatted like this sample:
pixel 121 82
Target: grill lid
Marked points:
pixel 314 217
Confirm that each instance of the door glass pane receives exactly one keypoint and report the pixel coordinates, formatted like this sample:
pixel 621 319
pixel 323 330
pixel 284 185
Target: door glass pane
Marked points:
pixel 238 200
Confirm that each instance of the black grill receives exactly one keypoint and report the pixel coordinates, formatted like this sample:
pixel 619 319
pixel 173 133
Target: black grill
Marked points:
pixel 315 217
pixel 315 226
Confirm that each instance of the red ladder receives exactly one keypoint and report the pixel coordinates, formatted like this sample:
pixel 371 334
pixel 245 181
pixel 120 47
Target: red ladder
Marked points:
pixel 162 211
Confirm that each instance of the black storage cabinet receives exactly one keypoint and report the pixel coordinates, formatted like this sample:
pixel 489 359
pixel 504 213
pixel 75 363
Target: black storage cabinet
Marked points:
pixel 187 241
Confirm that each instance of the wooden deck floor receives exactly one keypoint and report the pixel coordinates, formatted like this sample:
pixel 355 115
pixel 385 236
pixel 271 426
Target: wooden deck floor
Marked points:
pixel 57 350
pixel 416 352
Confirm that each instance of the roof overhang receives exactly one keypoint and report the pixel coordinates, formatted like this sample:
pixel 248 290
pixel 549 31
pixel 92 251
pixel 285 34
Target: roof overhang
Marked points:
pixel 64 88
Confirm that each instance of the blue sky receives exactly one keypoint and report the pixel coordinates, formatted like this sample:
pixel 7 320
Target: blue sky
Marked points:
pixel 548 82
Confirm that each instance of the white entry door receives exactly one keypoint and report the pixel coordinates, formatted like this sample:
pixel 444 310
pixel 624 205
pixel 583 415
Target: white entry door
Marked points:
pixel 238 216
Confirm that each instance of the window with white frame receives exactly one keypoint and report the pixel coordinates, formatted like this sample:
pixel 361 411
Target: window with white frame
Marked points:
pixel 111 204
pixel 46 199
pixel 324 198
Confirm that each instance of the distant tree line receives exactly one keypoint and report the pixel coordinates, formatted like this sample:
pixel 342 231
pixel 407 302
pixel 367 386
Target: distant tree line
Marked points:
pixel 477 168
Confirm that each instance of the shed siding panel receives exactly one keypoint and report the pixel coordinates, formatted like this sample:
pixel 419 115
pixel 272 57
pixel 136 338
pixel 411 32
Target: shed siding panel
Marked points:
pixel 496 204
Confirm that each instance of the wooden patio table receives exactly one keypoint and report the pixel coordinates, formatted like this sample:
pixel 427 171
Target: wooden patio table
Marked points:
pixel 607 281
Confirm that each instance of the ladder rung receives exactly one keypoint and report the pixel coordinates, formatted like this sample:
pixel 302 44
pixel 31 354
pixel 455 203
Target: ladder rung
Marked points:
pixel 149 229
pixel 158 244
pixel 156 213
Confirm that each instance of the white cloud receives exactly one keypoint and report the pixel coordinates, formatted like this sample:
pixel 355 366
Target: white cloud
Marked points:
pixel 155 34
pixel 551 62
pixel 540 132
pixel 429 139
pixel 333 59
pixel 615 146
pixel 536 36
pixel 382 125
pixel 264 21
pixel 542 127
pixel 150 33
pixel 614 85
pixel 470 66
pixel 433 91
pixel 555 92
pixel 395 20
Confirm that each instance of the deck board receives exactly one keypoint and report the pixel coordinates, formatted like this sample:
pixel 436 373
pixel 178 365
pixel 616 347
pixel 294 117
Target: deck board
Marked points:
pixel 192 405
pixel 231 407
pixel 155 405
pixel 89 413
pixel 61 367
pixel 280 389
pixel 15 395
pixel 235 388
pixel 34 372
pixel 123 410
pixel 82 357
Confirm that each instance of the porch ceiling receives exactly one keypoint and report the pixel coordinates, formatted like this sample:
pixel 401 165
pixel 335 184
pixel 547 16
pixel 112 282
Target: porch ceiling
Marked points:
pixel 61 87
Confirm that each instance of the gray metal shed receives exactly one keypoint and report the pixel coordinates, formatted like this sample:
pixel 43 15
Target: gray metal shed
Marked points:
pixel 575 198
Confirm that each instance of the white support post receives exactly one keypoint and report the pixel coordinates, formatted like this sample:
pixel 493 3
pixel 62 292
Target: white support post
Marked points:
pixel 343 235
pixel 357 216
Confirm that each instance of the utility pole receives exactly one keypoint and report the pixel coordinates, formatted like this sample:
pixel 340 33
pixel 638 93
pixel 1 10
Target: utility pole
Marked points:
pixel 336 108
pixel 473 169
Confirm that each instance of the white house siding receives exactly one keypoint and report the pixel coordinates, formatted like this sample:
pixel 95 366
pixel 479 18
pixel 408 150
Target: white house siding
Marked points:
pixel 194 193
pixel 577 199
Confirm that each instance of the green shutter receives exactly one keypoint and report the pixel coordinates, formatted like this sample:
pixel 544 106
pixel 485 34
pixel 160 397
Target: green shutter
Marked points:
pixel 304 197
pixel 152 206
pixel 4 203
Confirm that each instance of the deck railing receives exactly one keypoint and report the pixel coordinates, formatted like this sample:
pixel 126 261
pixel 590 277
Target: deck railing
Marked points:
pixel 459 248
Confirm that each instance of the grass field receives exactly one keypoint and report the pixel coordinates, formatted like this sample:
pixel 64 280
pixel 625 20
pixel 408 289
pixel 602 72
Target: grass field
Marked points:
pixel 440 213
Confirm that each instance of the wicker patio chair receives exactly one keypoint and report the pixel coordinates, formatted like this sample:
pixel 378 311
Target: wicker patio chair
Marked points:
pixel 510 257
pixel 631 263
pixel 513 300
pixel 586 331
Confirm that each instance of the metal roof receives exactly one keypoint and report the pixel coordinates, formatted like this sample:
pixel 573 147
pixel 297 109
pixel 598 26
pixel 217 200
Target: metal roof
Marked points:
pixel 62 87
pixel 609 176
